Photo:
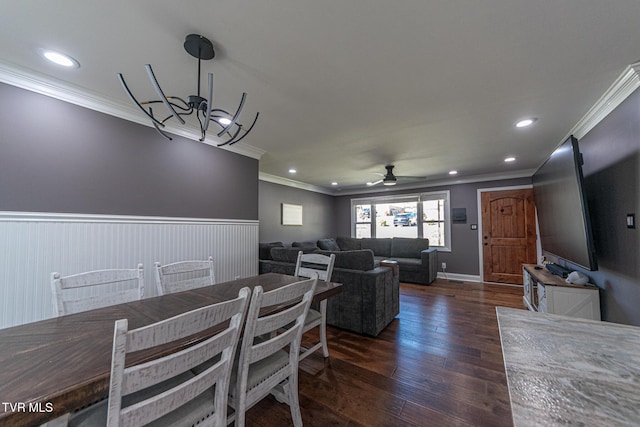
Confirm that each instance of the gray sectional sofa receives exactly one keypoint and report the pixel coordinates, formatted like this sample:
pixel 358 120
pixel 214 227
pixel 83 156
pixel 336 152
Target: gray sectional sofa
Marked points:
pixel 418 262
pixel 370 295
pixel 369 300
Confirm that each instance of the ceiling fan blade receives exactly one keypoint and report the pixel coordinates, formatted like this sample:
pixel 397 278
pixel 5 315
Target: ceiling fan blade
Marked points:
pixel 371 184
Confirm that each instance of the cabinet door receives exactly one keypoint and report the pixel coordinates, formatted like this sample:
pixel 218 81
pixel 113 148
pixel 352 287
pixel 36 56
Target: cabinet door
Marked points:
pixel 574 302
pixel 542 298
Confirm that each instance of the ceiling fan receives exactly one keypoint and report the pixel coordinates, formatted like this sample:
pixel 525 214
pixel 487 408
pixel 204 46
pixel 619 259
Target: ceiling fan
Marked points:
pixel 390 179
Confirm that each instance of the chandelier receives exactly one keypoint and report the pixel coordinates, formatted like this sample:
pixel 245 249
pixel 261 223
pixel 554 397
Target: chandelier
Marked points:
pixel 229 128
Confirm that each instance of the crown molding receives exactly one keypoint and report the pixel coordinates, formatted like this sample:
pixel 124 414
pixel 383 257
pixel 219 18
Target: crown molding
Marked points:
pixel 524 173
pixel 624 86
pixel 262 176
pixel 34 81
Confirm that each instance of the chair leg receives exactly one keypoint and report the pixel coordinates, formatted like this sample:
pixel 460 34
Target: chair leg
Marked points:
pixel 240 409
pixel 294 404
pixel 323 328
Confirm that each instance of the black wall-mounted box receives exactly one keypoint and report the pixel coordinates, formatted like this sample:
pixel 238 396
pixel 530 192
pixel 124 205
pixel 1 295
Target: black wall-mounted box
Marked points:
pixel 459 214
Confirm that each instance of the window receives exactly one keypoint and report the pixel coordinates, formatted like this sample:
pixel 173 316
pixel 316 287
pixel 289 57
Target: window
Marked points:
pixel 421 215
pixel 363 221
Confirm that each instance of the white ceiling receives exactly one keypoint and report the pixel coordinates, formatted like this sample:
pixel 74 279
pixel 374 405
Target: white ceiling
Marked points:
pixel 345 87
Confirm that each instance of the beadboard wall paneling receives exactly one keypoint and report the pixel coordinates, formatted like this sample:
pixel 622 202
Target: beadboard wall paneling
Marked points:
pixel 32 246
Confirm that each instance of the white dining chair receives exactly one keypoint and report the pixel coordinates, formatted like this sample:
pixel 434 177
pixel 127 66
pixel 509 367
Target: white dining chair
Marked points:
pixel 96 289
pixel 268 362
pixel 164 391
pixel 320 266
pixel 184 275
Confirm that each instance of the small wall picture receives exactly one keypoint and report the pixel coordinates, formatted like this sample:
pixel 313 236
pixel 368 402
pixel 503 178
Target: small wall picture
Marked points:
pixel 291 214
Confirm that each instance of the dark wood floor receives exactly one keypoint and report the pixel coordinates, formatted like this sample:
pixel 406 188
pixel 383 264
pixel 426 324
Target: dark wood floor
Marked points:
pixel 439 363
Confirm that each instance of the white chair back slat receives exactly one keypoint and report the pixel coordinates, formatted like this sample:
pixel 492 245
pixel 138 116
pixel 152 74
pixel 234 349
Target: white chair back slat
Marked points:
pixel 186 324
pixel 320 265
pixel 96 289
pixel 100 301
pixel 267 348
pixel 184 275
pixel 274 322
pixel 98 277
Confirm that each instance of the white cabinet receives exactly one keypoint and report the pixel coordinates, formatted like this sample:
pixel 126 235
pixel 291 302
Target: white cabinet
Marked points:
pixel 547 293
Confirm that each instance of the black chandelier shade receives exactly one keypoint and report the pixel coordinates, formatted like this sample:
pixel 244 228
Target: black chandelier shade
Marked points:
pixel 229 128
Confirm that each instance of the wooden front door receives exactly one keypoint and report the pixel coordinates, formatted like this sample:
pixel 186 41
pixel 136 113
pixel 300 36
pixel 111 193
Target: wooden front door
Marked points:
pixel 508 234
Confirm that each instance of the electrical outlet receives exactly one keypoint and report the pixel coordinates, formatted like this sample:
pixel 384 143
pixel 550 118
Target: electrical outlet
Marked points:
pixel 444 266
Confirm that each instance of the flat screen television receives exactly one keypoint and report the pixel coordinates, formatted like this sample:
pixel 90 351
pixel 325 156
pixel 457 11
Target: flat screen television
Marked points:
pixel 563 215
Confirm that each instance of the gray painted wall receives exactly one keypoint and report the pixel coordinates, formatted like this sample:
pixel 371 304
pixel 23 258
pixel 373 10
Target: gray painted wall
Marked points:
pixel 464 257
pixel 318 214
pixel 58 157
pixel 611 153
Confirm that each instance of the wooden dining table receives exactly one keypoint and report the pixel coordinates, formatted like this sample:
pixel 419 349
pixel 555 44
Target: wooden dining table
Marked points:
pixel 60 365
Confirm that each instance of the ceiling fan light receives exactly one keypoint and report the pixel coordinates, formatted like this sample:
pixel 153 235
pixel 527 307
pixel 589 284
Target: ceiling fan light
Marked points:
pixel 389 182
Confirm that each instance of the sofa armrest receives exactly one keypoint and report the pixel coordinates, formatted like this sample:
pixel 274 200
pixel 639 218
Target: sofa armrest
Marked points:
pixel 427 255
pixel 380 298
pixel 429 259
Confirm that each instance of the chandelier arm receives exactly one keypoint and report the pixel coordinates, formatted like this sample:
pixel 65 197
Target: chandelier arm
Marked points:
pixel 225 115
pixel 164 99
pixel 160 131
pixel 185 108
pixel 232 137
pixel 215 118
pixel 246 132
pixel 135 101
pixel 207 115
pixel 203 133
pixel 235 116
pixel 220 110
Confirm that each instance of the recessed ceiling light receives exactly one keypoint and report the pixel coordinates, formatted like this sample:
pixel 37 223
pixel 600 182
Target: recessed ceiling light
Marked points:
pixel 292 170
pixel 60 59
pixel 525 123
pixel 510 159
pixel 334 183
pixel 224 121
pixel 453 172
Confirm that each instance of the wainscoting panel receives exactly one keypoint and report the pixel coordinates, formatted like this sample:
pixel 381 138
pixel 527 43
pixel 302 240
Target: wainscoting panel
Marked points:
pixel 32 246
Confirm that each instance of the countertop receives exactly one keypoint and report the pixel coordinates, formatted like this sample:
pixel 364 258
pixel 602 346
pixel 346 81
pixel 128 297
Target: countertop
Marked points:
pixel 564 371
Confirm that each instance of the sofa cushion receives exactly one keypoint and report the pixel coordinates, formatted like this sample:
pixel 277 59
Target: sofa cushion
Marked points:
pixel 348 243
pixel 411 264
pixel 380 246
pixel 361 259
pixel 305 244
pixel 264 249
pixel 406 247
pixel 328 244
pixel 288 254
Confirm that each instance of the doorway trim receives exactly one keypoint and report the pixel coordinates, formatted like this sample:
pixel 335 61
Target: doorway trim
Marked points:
pixel 479 203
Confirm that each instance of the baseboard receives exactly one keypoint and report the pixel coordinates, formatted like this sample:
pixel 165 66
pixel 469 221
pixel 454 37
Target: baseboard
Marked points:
pixel 461 277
